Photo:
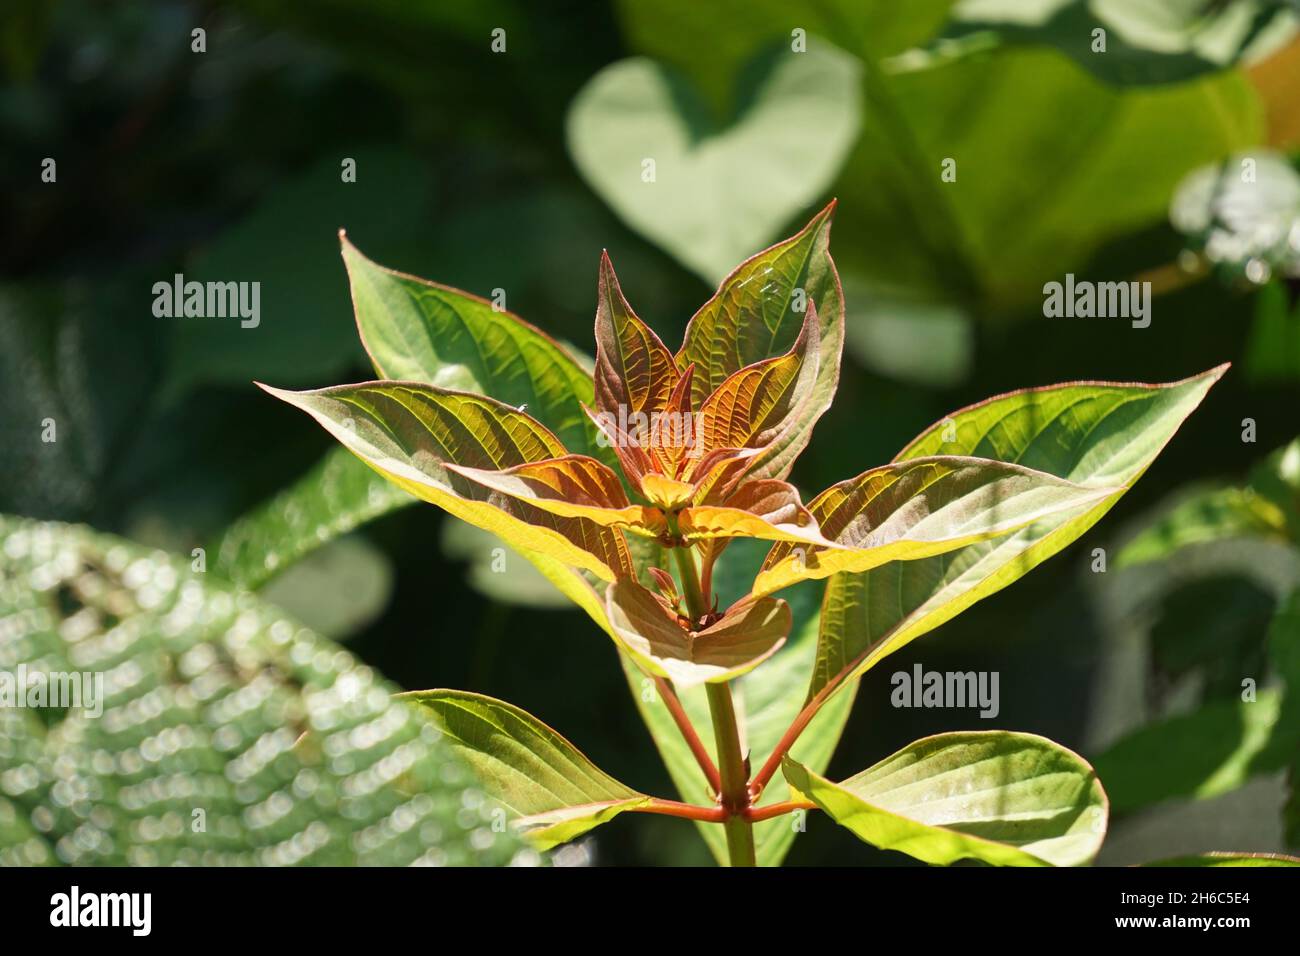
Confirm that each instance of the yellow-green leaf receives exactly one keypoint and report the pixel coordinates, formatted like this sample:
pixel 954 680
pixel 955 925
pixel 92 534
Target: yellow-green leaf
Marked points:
pixel 409 432
pixel 746 635
pixel 554 791
pixel 919 508
pixel 1098 434
pixel 1004 798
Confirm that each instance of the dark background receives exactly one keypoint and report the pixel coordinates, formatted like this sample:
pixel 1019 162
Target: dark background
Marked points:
pixel 226 164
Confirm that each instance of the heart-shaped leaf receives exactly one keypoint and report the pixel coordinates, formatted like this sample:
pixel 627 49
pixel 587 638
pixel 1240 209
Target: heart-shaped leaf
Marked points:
pixel 555 792
pixel 919 508
pixel 748 633
pixel 1091 433
pixel 409 432
pixel 643 139
pixel 1005 798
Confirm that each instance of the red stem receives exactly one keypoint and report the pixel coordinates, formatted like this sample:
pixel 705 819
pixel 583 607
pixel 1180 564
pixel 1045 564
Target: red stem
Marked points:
pixel 687 811
pixel 788 739
pixel 688 733
pixel 759 814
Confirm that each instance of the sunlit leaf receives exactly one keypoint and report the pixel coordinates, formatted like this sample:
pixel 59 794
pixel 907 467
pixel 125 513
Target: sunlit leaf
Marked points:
pixel 554 791
pixel 419 331
pixel 746 635
pixel 635 372
pixel 918 508
pixel 758 313
pixel 1094 434
pixel 1004 798
pixel 408 431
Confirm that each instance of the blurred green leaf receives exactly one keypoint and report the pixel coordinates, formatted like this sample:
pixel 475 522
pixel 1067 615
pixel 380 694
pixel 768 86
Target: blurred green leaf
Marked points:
pixel 1004 798
pixel 496 570
pixel 554 791
pixel 336 590
pixel 1024 208
pixel 1202 516
pixel 1229 859
pixel 241 737
pixel 338 494
pixel 1243 213
pixel 907 336
pixel 1273 349
pixel 1141 41
pixel 74 387
pixel 713 195
pixel 1207 752
pixel 305 334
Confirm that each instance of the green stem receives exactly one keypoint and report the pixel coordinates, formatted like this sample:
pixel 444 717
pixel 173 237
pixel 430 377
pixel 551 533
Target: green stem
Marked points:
pixel 696 603
pixel 735 782
pixel 734 778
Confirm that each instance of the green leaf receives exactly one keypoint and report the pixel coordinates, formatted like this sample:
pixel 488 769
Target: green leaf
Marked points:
pixel 1204 516
pixel 555 792
pixel 919 508
pixel 1094 434
pixel 336 496
pixel 304 332
pixel 1210 751
pixel 750 632
pixel 419 331
pixel 1230 859
pixel 1145 42
pixel 765 707
pixel 1030 220
pixel 413 434
pixel 796 120
pixel 1004 798
pixel 213 701
pixel 755 315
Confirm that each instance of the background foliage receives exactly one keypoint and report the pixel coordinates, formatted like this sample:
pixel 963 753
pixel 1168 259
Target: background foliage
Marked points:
pixel 491 171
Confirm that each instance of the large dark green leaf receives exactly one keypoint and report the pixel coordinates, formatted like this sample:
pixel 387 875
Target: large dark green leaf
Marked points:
pixel 238 736
pixel 1004 227
pixel 1146 41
